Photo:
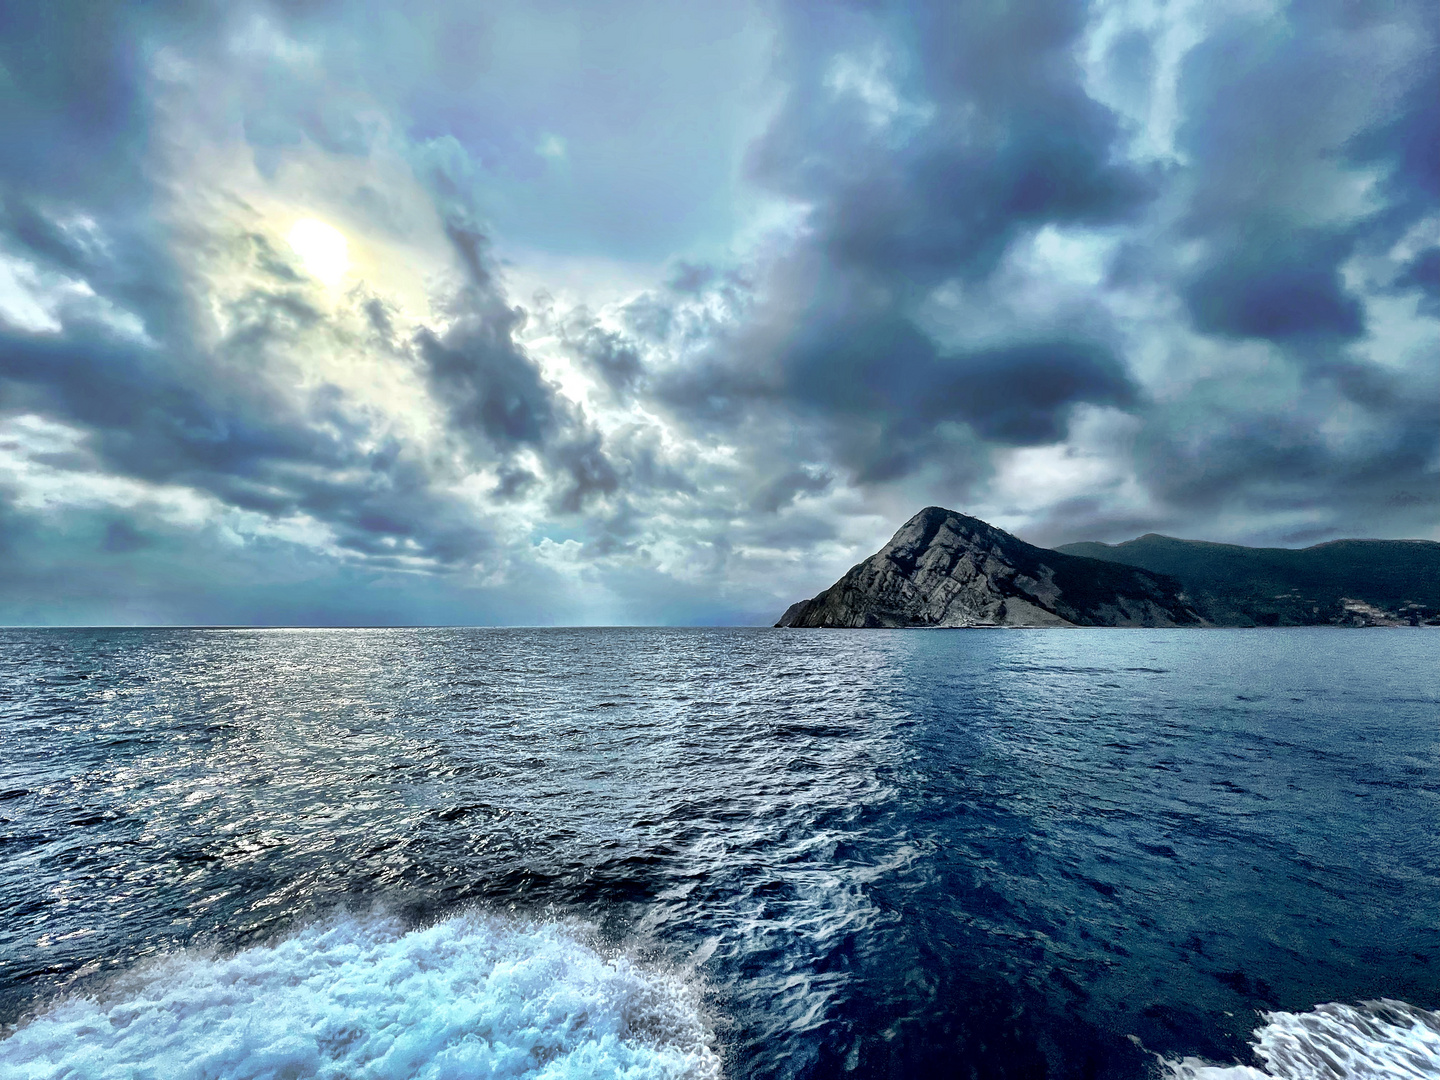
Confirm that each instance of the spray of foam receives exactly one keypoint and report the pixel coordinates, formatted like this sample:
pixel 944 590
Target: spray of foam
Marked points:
pixel 1375 1040
pixel 469 997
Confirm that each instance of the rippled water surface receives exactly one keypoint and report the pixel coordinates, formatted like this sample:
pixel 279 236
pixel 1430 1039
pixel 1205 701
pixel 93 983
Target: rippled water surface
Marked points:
pixel 675 852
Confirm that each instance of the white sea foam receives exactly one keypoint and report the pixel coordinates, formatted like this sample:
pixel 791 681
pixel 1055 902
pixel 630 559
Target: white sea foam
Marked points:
pixel 1375 1040
pixel 469 997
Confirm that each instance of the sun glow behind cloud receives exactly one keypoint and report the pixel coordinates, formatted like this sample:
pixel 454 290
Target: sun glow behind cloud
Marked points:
pixel 322 248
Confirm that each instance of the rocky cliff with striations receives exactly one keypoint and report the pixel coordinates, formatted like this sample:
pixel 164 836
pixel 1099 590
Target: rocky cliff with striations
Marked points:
pixel 944 569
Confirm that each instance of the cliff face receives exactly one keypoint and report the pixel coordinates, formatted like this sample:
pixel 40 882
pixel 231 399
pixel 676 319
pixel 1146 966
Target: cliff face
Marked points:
pixel 946 569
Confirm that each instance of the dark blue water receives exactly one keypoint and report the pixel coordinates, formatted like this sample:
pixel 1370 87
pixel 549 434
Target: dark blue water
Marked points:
pixel 878 854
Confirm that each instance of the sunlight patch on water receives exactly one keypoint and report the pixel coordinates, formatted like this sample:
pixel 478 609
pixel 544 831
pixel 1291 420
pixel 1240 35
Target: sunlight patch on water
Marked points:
pixel 468 997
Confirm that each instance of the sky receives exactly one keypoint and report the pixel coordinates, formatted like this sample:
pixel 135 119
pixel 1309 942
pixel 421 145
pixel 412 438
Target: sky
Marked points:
pixel 637 312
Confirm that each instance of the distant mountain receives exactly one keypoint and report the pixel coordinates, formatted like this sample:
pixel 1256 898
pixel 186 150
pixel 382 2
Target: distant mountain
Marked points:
pixel 946 569
pixel 1345 582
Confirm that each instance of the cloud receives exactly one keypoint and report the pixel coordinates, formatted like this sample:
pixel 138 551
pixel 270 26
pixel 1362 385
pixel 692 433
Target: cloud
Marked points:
pixel 1281 287
pixel 919 170
pixel 791 484
pixel 1423 273
pixel 490 388
pixel 1009 140
pixel 610 353
pixel 658 313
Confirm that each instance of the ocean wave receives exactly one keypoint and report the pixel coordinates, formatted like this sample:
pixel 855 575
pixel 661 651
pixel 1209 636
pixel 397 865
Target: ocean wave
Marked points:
pixel 472 996
pixel 1375 1040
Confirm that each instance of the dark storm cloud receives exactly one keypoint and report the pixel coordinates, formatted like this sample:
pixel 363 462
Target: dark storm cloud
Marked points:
pixel 926 139
pixel 1423 273
pixel 888 385
pixel 783 489
pixel 1277 284
pixel 1278 116
pixel 1012 394
pixel 986 134
pixel 611 354
pixel 647 466
pixel 119 254
pixel 491 389
pixel 1018 394
pixel 122 537
pixel 992 133
pixel 147 423
pixel 513 483
pixel 1253 129
pixel 1273 463
pixel 494 390
pixel 1271 112
pixel 591 472
pixel 72 96
pixel 1407 139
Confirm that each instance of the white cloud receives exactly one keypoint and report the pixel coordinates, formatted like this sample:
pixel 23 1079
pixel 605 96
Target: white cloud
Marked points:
pixel 24 302
pixel 552 146
pixel 38 301
pixel 866 78
pixel 1094 462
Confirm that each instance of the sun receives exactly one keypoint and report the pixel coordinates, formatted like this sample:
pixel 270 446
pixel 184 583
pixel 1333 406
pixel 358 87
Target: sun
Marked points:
pixel 322 248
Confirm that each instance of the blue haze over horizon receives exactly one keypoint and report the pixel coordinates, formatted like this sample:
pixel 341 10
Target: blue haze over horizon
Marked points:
pixel 629 312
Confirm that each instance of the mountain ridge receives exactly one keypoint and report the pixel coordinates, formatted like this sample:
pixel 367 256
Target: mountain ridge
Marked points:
pixel 1339 582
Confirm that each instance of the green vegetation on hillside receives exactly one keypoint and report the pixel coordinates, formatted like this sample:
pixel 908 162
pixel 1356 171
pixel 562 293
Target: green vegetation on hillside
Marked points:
pixel 1354 582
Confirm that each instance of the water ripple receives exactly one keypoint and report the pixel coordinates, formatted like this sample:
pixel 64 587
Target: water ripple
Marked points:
pixel 881 854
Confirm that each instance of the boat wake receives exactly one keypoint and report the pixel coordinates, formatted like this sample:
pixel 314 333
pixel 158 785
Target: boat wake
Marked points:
pixel 1375 1040
pixel 471 996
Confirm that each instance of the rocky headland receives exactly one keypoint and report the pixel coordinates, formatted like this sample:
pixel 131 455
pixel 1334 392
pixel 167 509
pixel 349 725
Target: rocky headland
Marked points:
pixel 944 569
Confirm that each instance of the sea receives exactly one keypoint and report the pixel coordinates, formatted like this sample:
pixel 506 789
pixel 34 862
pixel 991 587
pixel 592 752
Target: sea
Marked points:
pixel 706 853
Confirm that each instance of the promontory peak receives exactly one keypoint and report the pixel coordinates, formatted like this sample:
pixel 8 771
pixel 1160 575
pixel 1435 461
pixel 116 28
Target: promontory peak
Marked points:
pixel 944 569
